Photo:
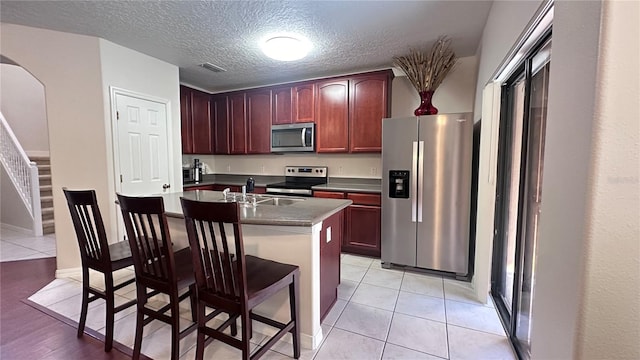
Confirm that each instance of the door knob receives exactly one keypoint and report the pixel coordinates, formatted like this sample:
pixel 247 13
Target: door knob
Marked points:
pixel 166 186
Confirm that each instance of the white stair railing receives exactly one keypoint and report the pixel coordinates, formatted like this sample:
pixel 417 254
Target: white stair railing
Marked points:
pixel 22 172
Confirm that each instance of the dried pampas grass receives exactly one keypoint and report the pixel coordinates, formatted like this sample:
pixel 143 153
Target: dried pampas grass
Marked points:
pixel 426 71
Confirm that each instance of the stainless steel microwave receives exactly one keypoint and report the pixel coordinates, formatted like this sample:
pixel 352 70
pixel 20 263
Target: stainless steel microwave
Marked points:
pixel 293 137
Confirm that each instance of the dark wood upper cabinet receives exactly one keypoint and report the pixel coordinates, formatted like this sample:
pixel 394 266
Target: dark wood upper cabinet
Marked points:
pixel 220 115
pixel 259 121
pixel 368 105
pixel 196 121
pixel 237 122
pixel 332 116
pixel 282 110
pixel 185 120
pixel 202 127
pixel 303 103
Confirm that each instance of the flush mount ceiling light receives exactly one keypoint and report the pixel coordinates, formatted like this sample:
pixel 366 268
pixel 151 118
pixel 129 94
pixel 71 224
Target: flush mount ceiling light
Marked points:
pixel 286 47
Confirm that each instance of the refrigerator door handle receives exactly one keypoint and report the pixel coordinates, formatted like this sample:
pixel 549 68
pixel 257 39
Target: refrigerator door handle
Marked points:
pixel 420 179
pixel 414 181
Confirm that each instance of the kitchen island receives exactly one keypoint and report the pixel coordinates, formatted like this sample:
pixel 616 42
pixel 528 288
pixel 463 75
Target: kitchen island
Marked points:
pixel 302 231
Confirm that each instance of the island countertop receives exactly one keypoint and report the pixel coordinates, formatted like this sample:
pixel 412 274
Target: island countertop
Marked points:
pixel 307 212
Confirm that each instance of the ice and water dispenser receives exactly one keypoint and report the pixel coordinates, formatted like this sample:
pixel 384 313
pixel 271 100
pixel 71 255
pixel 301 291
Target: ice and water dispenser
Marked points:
pixel 399 184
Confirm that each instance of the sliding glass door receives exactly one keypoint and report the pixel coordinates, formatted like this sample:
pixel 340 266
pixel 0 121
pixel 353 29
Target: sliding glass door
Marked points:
pixel 519 193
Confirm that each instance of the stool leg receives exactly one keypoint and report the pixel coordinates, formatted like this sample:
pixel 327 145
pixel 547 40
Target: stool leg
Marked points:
pixel 85 301
pixel 108 337
pixel 295 314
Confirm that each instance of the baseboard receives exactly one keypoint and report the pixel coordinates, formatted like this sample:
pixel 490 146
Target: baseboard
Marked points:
pixel 65 273
pixel 36 153
pixel 16 228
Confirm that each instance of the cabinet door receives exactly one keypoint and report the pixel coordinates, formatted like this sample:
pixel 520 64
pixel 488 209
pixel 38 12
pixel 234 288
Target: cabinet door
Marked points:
pixel 185 120
pixel 221 187
pixel 362 235
pixel 201 117
pixel 220 114
pixel 259 121
pixel 194 188
pixel 368 104
pixel 329 194
pixel 332 116
pixel 282 113
pixel 303 103
pixel 237 121
pixel 330 237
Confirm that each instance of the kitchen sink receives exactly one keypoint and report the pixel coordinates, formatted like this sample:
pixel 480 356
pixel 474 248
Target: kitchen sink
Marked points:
pixel 278 201
pixel 259 200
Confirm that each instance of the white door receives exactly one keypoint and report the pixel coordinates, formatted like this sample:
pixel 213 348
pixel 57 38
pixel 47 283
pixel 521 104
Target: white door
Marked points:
pixel 143 154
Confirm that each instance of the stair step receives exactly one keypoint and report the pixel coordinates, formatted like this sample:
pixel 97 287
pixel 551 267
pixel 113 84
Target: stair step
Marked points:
pixel 40 159
pixel 47 214
pixel 44 170
pixel 48 226
pixel 46 202
pixel 44 179
pixel 46 190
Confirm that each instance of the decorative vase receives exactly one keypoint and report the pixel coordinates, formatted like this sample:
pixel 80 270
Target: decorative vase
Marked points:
pixel 425 108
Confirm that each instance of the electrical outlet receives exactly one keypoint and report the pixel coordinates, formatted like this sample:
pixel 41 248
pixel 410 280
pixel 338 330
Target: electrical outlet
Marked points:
pixel 262 169
pixel 228 167
pixel 340 170
pixel 374 171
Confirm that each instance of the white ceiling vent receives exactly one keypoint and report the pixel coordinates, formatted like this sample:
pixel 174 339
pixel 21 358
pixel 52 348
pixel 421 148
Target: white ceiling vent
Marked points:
pixel 212 67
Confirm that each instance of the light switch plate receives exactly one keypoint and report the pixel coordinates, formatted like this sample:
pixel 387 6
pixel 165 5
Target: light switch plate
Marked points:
pixel 329 234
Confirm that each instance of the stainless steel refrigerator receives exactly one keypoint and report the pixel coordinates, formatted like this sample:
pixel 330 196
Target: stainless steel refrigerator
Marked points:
pixel 426 191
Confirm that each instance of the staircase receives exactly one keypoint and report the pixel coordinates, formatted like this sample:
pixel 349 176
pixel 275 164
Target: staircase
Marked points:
pixel 46 193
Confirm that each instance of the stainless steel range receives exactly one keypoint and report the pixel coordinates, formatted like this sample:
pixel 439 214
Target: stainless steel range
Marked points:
pixel 299 180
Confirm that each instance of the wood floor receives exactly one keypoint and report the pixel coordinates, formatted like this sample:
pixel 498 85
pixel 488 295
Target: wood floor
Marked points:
pixel 27 333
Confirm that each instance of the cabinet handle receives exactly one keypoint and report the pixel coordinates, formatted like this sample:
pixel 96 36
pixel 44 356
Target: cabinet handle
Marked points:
pixel 420 179
pixel 166 186
pixel 414 181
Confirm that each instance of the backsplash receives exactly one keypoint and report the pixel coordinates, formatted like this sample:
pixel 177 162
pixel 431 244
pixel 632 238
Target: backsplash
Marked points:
pixel 340 165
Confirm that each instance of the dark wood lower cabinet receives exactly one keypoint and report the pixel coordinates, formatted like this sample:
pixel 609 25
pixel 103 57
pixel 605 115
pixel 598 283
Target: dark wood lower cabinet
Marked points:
pixel 361 226
pixel 362 232
pixel 330 239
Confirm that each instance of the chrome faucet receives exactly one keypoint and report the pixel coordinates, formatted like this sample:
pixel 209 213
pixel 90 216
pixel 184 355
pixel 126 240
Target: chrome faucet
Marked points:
pixel 225 192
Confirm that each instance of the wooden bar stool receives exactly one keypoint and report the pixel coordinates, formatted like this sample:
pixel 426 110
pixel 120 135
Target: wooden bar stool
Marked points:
pixel 157 267
pixel 235 285
pixel 97 254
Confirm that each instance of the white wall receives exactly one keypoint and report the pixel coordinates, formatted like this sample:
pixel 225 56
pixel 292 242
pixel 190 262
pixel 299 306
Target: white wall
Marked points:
pixel 456 94
pixel 68 66
pixel 22 102
pixel 561 246
pixel 609 324
pixel 586 301
pixel 13 212
pixel 505 23
pixel 340 165
pixel 77 72
pixel 133 71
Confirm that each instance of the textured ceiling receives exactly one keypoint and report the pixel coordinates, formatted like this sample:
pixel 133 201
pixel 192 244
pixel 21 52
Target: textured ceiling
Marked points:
pixel 347 36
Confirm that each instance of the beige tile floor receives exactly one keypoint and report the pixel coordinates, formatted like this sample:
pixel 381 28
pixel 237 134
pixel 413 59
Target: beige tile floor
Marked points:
pixel 379 314
pixel 15 245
